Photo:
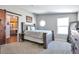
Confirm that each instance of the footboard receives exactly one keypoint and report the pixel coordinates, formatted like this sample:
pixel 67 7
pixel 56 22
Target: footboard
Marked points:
pixel 47 38
pixel 44 40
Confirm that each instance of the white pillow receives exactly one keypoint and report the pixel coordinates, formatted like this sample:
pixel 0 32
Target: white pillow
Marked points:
pixel 32 28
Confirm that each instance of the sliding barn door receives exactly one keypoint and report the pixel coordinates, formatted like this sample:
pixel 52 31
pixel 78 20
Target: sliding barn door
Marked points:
pixel 2 26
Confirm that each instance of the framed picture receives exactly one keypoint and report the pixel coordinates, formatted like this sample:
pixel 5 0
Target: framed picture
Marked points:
pixel 29 19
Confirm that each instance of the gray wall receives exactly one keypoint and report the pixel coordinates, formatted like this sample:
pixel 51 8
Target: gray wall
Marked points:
pixel 51 22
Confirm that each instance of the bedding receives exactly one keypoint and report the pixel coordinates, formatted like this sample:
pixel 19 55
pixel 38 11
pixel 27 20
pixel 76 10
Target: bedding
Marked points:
pixel 39 36
pixel 34 34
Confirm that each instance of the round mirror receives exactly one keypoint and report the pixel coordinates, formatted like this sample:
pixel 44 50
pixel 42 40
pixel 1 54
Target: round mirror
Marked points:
pixel 42 23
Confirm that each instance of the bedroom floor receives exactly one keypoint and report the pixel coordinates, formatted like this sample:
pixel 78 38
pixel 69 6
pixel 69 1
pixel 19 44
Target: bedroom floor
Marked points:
pixel 21 48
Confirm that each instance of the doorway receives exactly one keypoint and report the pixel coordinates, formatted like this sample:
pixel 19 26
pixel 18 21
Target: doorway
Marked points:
pixel 12 22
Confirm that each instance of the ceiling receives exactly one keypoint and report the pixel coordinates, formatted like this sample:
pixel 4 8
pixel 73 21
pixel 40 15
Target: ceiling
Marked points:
pixel 42 9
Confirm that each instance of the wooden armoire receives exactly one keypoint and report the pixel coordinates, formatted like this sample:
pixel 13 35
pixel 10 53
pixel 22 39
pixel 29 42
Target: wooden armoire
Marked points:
pixel 2 26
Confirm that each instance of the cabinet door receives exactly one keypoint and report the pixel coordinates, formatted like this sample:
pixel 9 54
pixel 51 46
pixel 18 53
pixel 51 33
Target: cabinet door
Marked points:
pixel 2 26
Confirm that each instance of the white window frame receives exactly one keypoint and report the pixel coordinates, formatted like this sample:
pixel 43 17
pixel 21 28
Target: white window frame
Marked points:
pixel 62 25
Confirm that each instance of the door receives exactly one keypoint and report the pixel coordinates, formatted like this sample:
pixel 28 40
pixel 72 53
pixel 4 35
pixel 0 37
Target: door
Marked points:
pixel 2 26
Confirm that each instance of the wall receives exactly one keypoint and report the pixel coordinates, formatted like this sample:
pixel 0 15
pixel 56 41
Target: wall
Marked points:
pixel 51 22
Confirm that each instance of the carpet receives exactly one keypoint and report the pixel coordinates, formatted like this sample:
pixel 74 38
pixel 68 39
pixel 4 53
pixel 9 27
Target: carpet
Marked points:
pixel 21 48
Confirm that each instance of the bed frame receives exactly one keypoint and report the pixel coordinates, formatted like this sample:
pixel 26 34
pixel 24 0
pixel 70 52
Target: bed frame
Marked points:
pixel 44 37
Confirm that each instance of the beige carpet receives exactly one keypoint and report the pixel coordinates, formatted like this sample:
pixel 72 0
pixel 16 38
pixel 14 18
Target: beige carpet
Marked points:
pixel 21 48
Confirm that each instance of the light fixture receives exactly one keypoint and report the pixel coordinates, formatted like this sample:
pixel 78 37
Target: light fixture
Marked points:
pixel 42 23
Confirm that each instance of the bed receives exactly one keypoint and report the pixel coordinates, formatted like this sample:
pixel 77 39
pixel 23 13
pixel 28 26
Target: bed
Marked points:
pixel 29 33
pixel 39 36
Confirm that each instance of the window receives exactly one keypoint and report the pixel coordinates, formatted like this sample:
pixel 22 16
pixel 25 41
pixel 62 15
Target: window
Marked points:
pixel 62 25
